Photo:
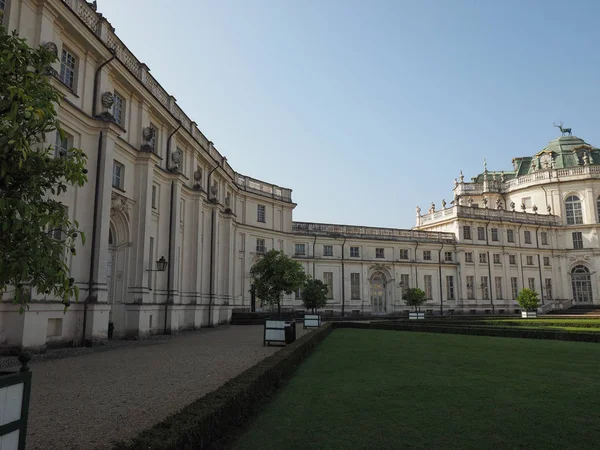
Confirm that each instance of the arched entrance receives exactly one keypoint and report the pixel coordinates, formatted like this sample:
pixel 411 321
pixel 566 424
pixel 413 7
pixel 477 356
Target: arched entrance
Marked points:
pixel 378 293
pixel 581 282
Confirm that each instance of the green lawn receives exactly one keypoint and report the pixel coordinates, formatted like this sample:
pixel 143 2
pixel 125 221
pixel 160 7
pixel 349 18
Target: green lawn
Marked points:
pixel 373 389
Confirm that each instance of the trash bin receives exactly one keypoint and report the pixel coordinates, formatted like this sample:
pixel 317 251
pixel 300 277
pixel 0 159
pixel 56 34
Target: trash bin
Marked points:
pixel 290 332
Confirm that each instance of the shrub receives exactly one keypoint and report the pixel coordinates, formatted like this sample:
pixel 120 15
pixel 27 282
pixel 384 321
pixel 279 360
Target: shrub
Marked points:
pixel 414 297
pixel 528 300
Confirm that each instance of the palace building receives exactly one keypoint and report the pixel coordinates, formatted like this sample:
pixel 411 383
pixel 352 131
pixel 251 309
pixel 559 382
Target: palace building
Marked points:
pixel 173 230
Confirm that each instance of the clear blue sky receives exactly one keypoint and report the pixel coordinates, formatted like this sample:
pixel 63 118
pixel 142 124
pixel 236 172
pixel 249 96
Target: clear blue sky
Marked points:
pixel 368 108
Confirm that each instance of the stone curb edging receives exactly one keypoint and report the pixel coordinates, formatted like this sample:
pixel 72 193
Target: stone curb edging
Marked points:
pixel 479 331
pixel 206 421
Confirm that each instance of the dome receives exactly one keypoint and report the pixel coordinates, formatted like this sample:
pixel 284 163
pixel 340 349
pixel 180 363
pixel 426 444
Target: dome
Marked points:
pixel 567 151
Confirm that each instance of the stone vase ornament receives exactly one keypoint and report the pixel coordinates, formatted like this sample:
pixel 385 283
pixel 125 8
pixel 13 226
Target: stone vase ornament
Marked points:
pixel 148 135
pixel 107 100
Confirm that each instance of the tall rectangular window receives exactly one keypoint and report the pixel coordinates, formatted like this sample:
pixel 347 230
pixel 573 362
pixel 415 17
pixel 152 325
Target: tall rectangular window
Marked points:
pixel 544 237
pixel 68 65
pixel 481 233
pixel 355 286
pixel 403 253
pixel 426 255
pixel 448 256
pixel 428 283
pixel 404 279
pixel 531 282
pixel 577 239
pixel 300 249
pixel 497 258
pixel 548 283
pixel 470 287
pixel 119 109
pixel 354 252
pixel 260 213
pixel 450 287
pixel 118 175
pixel 546 260
pixel 181 210
pixel 527 236
pixel 530 260
pixel 328 250
pixel 483 258
pixel 328 280
pixel 514 287
pixel 495 234
pixel 298 294
pixel 62 145
pixel 150 273
pixel 467 232
pixel 154 140
pixel 498 283
pixel 379 253
pixel 260 246
pixel 154 197
pixel 510 235
pixel 512 260
pixel 469 257
pixel 485 288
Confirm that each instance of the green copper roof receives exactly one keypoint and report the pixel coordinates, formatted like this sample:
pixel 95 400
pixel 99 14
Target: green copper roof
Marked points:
pixel 567 151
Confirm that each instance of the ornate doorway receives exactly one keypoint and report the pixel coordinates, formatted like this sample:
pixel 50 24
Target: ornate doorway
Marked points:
pixel 378 293
pixel 581 282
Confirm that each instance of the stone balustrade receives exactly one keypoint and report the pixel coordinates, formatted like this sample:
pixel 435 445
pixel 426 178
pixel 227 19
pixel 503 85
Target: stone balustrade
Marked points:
pixel 487 214
pixel 260 187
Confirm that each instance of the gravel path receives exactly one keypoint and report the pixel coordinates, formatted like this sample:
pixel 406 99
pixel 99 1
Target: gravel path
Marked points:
pixel 90 401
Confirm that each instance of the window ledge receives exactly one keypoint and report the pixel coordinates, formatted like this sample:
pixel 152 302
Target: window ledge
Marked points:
pixel 119 189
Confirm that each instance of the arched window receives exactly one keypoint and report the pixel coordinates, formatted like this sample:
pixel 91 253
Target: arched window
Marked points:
pixel 573 210
pixel 582 284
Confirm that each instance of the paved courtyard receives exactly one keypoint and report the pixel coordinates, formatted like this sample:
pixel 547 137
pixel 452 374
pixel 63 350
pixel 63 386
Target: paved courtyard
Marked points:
pixel 90 401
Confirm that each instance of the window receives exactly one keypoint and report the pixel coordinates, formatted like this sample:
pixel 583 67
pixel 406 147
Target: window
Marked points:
pixel 450 287
pixel 544 237
pixel 577 239
pixel 355 286
pixel 498 285
pixel 483 258
pixel 573 210
pixel 68 63
pixel 4 4
pixel 298 294
pixel 260 213
pixel 58 234
pixel 548 285
pixel 62 145
pixel 514 287
pixel 354 252
pixel 485 290
pixel 470 287
pixel 530 260
pixel 426 255
pixel 119 109
pixel 481 233
pixel 531 282
pixel 300 249
pixel 495 234
pixel 118 175
pixel 260 246
pixel 466 232
pixel 181 210
pixel 404 279
pixel 448 256
pixel 469 257
pixel 152 142
pixel 527 236
pixel 527 202
pixel 328 280
pixel 154 196
pixel 510 235
pixel 512 260
pixel 379 253
pixel 403 254
pixel 328 250
pixel 497 258
pixel 546 260
pixel 428 283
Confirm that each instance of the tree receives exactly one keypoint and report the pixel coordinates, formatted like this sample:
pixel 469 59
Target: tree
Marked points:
pixel 414 297
pixel 35 233
pixel 528 300
pixel 275 274
pixel 314 294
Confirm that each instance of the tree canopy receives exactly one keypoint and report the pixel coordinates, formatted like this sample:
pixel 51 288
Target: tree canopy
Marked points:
pixel 414 297
pixel 35 232
pixel 275 274
pixel 314 294
pixel 528 299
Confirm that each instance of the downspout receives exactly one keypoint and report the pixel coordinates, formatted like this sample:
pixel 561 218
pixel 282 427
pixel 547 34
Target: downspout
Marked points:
pixel 440 270
pixel 97 78
pixel 169 145
pixel 416 268
pixel 93 250
pixel 521 258
pixel 313 255
pixel 169 278
pixel 490 284
pixel 343 279
pixel 537 244
pixel 212 250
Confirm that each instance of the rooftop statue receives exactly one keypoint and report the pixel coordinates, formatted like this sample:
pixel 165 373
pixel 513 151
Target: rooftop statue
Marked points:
pixel 564 131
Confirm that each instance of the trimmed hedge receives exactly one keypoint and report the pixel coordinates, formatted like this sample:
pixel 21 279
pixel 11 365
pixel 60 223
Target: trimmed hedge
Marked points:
pixel 477 330
pixel 206 421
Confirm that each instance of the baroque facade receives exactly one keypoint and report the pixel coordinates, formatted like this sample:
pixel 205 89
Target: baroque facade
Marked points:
pixel 161 196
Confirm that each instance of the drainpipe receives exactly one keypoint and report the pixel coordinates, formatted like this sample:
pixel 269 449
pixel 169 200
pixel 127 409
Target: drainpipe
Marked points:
pixel 212 251
pixel 313 255
pixel 93 250
pixel 490 285
pixel 172 259
pixel 169 145
pixel 521 258
pixel 440 271
pixel 97 79
pixel 343 280
pixel 416 268
pixel 537 244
